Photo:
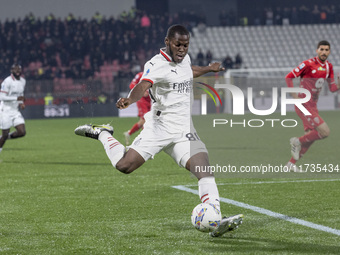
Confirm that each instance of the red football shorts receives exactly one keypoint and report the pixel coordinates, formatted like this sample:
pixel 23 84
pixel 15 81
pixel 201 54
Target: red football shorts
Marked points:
pixel 310 121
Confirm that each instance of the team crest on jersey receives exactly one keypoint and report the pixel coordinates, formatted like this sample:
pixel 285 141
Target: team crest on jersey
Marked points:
pixel 321 69
pixel 302 66
pixel 296 70
pixel 319 83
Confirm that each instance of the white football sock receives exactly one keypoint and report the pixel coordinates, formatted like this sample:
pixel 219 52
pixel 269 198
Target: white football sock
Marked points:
pixel 208 192
pixel 0 149
pixel 114 149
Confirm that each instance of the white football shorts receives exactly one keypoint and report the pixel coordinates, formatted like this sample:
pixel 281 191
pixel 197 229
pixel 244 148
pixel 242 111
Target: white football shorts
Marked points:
pixel 10 119
pixel 180 146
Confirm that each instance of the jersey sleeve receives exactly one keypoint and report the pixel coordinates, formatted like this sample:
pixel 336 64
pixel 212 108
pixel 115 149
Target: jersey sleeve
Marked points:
pixel 296 72
pixel 152 72
pixel 24 85
pixel 4 91
pixel 301 69
pixel 331 82
pixel 289 79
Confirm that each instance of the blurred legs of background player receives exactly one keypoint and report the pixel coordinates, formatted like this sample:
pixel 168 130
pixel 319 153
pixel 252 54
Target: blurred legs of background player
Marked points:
pixel 312 72
pixel 138 125
pixel 19 132
pixel 315 129
pixel 143 107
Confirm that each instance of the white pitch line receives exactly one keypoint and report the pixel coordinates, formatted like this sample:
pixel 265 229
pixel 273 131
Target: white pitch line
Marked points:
pixel 268 212
pixel 270 182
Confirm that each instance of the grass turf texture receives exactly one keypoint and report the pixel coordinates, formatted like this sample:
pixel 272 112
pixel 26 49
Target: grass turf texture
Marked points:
pixel 60 194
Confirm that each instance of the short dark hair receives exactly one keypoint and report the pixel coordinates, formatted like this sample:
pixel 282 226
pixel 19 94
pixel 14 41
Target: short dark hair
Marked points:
pixel 15 65
pixel 324 43
pixel 179 29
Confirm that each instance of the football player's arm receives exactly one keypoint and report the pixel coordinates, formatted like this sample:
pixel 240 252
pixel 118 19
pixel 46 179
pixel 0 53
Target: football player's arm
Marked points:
pixel 212 67
pixel 296 72
pixel 5 97
pixel 290 84
pixel 333 87
pixel 135 94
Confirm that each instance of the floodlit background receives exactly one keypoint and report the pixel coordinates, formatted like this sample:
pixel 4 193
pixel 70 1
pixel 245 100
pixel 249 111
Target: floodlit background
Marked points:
pixel 59 194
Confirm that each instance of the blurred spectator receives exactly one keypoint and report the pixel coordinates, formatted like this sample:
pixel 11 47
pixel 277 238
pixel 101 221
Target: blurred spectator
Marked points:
pixel 315 14
pixel 269 16
pixel 227 62
pixel 304 14
pixel 323 14
pixel 294 16
pixel 97 17
pixel 201 27
pixel 48 99
pixel 238 61
pixel 208 57
pixel 286 16
pixel 200 58
pixel 278 16
pixel 102 99
pixel 145 21
pixel 223 17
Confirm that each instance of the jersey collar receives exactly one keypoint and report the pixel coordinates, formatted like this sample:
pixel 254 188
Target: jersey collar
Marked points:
pixel 317 59
pixel 165 55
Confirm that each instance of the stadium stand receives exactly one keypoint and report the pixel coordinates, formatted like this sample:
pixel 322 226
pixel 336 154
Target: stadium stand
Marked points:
pixel 74 55
pixel 267 46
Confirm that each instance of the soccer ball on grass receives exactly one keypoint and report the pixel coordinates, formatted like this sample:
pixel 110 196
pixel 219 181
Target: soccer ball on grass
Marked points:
pixel 206 217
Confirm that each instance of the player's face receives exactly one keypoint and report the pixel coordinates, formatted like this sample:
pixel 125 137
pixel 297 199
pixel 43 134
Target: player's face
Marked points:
pixel 177 47
pixel 16 71
pixel 323 52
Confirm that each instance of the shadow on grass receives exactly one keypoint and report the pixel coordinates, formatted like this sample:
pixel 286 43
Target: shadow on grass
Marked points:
pixel 57 163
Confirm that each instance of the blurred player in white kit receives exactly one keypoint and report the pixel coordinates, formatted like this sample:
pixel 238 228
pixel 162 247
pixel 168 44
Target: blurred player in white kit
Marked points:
pixel 11 101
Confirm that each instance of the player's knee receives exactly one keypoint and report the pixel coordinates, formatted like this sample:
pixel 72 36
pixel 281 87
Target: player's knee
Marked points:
pixel 324 133
pixel 124 167
pixel 22 133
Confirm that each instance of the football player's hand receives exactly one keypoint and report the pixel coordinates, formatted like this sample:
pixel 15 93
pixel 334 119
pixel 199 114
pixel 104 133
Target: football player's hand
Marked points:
pixel 123 103
pixel 22 106
pixel 216 67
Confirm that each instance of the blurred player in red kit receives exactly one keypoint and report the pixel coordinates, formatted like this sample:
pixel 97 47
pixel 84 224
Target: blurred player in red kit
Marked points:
pixel 143 105
pixel 313 72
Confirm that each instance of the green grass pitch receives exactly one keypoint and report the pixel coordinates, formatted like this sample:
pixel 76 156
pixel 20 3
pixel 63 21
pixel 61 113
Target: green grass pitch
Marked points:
pixel 60 194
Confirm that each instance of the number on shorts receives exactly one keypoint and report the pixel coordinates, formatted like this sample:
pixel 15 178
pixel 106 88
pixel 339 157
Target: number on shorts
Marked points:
pixel 192 136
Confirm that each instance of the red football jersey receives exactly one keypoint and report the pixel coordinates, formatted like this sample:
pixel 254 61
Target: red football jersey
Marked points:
pixel 313 74
pixel 146 98
pixel 136 80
